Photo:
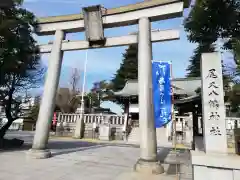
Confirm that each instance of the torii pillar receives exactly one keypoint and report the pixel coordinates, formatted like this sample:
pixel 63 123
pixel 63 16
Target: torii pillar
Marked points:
pixel 148 144
pixel 39 148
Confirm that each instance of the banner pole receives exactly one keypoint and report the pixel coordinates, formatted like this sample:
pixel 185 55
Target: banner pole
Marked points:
pixel 173 114
pixel 174 123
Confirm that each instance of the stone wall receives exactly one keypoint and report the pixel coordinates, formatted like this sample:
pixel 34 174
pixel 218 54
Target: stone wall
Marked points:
pixel 67 129
pixel 183 123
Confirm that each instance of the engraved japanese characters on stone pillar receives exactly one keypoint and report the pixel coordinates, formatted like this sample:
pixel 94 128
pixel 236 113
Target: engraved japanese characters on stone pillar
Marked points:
pixel 213 103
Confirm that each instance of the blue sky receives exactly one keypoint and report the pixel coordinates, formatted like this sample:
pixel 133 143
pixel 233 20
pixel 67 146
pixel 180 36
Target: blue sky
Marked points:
pixel 103 63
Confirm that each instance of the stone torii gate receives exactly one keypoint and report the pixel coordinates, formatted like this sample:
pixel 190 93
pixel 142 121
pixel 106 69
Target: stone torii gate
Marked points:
pixel 93 21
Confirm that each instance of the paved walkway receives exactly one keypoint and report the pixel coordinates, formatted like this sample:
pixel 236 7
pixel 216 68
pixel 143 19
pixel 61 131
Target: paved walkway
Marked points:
pixel 78 160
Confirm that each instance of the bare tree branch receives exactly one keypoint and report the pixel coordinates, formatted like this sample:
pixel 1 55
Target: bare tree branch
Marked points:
pixel 74 80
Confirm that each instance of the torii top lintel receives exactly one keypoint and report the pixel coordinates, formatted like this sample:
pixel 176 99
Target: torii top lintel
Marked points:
pixel 74 22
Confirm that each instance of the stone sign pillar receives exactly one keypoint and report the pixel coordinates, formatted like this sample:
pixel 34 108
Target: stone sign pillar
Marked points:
pixel 214 163
pixel 39 148
pixel 148 143
pixel 215 138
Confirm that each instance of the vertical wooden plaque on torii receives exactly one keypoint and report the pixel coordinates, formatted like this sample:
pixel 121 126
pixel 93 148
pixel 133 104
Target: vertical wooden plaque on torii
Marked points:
pixel 93 24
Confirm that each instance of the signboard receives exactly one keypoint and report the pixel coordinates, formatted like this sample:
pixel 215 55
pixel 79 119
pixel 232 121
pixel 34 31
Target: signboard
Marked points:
pixel 93 24
pixel 213 103
pixel 162 96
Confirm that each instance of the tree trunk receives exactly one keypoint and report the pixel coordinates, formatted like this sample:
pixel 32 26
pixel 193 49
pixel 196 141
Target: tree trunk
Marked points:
pixel 4 129
pixel 8 110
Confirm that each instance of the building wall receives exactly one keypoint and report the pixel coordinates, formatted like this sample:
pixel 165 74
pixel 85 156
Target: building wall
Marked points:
pixel 17 124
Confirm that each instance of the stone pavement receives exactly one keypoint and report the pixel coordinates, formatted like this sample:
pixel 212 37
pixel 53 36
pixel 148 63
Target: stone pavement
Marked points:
pixel 78 160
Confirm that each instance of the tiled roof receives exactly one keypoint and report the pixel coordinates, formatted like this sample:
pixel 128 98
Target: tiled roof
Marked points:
pixel 181 86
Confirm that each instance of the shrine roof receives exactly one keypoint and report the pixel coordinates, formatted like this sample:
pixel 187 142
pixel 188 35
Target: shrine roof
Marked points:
pixel 187 99
pixel 122 9
pixel 182 86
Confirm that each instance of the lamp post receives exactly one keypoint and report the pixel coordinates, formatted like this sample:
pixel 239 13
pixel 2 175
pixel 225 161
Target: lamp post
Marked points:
pixel 79 123
pixel 84 82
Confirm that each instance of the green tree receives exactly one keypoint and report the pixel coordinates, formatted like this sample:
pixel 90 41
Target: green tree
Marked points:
pixel 128 68
pixel 234 98
pixel 210 20
pixel 236 50
pixel 20 66
pixel 100 91
pixel 194 69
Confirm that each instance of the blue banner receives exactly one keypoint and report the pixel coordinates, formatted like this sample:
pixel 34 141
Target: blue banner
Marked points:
pixel 162 100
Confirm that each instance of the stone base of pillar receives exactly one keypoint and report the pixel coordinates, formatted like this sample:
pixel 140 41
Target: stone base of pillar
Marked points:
pixel 148 167
pixel 39 154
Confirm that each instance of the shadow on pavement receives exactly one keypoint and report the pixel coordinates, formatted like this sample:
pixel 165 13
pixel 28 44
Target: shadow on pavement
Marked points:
pixel 173 169
pixel 20 148
pixel 173 160
pixel 66 147
pixel 163 153
pixel 59 147
pixel 199 145
pixel 61 144
pixel 68 151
